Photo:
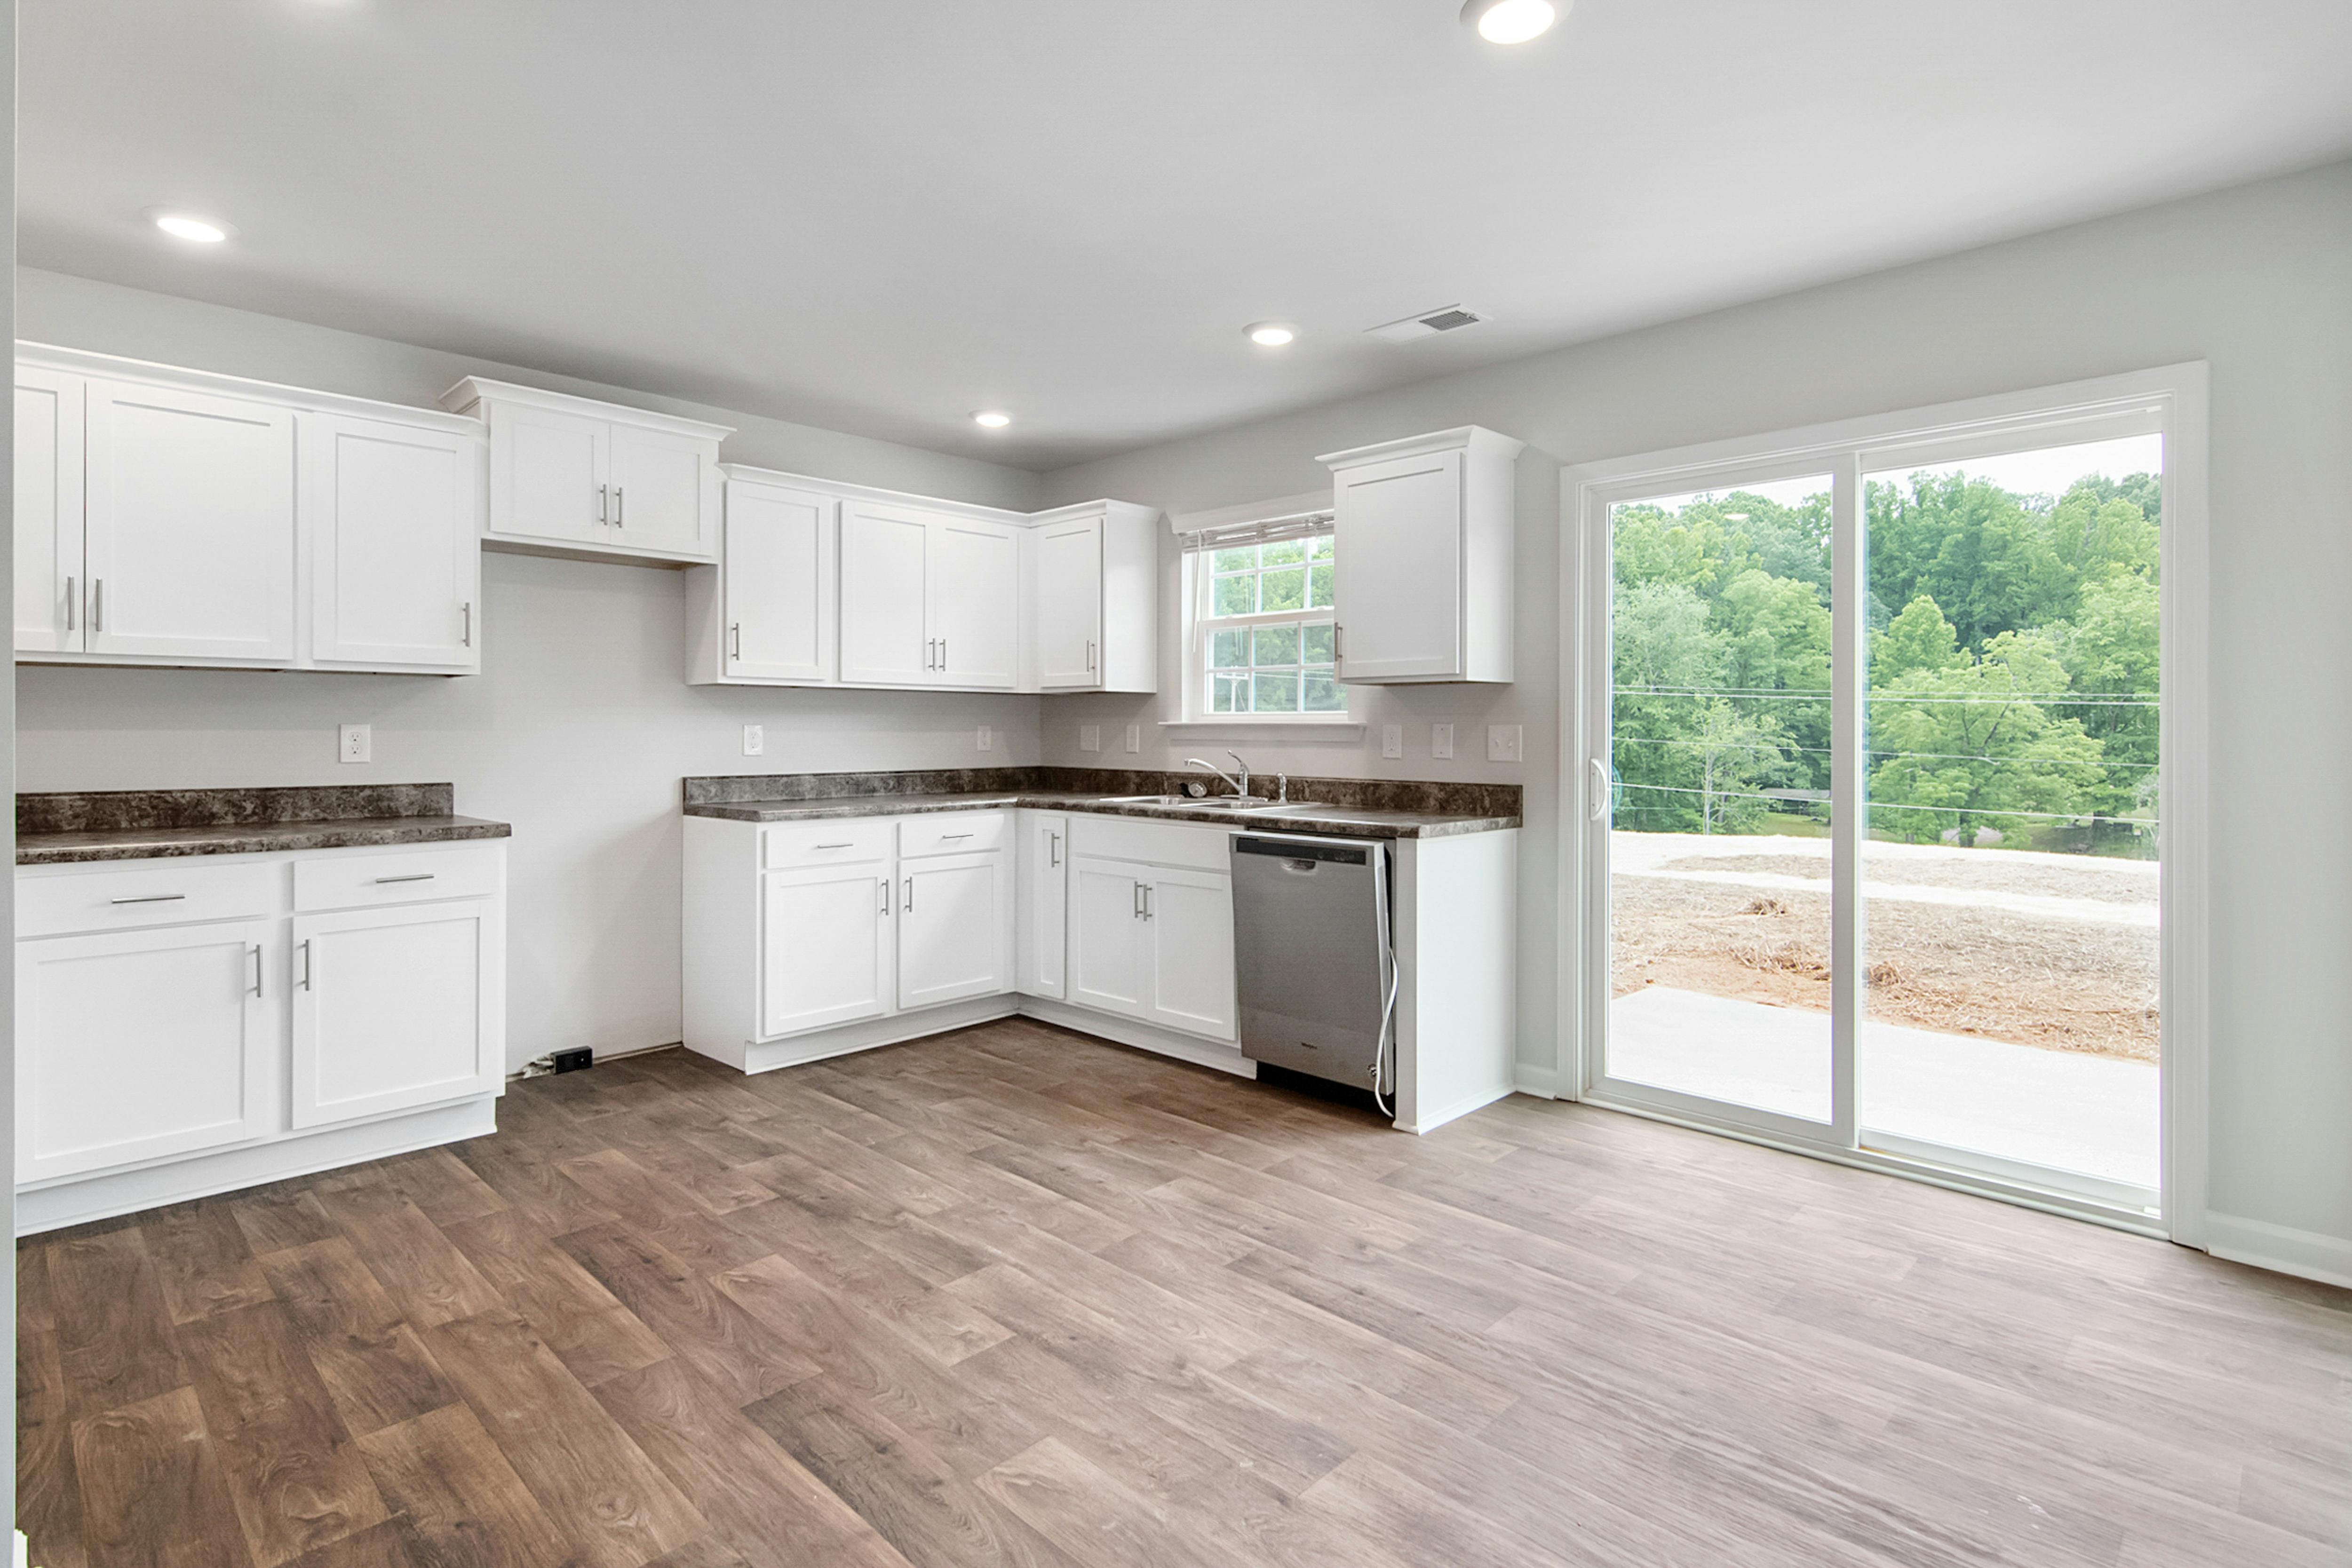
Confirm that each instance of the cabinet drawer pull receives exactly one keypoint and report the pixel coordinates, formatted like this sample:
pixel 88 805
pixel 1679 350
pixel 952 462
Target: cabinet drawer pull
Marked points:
pixel 151 898
pixel 945 838
pixel 414 877
pixel 845 844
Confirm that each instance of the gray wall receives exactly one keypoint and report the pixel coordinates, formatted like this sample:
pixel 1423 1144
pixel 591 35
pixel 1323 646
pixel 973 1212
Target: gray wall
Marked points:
pixel 580 726
pixel 2257 280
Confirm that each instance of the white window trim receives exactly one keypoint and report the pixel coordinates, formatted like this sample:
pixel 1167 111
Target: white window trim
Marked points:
pixel 1196 576
pixel 2176 397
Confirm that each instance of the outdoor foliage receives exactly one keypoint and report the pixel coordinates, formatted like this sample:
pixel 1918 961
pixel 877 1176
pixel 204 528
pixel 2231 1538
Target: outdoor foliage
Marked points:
pixel 2012 661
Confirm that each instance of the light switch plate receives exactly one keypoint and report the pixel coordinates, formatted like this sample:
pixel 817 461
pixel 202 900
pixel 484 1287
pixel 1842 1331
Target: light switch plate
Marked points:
pixel 987 738
pixel 1135 737
pixel 1505 743
pixel 755 740
pixel 1440 741
pixel 1393 739
pixel 354 743
pixel 1090 737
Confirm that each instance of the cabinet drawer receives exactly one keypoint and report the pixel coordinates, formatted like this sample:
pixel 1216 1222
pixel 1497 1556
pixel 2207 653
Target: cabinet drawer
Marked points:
pixel 958 833
pixel 1155 843
pixel 360 881
pixel 834 841
pixel 146 893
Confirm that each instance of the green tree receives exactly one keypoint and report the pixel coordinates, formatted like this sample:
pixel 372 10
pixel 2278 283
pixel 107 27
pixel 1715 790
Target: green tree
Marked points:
pixel 1918 638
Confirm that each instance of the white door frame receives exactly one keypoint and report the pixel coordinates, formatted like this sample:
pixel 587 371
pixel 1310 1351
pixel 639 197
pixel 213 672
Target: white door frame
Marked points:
pixel 2176 396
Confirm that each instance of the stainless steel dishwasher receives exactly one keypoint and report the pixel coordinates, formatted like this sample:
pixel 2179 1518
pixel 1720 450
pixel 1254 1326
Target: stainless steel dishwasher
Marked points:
pixel 1313 962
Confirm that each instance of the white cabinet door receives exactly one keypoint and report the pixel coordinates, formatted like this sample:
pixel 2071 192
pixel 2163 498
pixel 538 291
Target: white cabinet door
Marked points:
pixel 392 515
pixel 952 928
pixel 137 1044
pixel 1069 610
pixel 660 482
pixel 975 604
pixel 49 576
pixel 825 947
pixel 885 588
pixel 396 1008
pixel 1188 916
pixel 1110 954
pixel 779 583
pixel 1044 902
pixel 548 474
pixel 189 532
pixel 1398 582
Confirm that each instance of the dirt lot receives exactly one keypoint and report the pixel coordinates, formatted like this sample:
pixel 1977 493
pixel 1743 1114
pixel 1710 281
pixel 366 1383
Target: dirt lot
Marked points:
pixel 2065 984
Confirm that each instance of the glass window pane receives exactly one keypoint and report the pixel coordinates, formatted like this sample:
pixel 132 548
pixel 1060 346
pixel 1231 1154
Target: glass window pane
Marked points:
pixel 1236 597
pixel 1275 645
pixel 1315 644
pixel 1242 560
pixel 1288 553
pixel 1224 692
pixel 1318 587
pixel 1285 589
pixel 1275 694
pixel 1319 548
pixel 1323 695
pixel 1228 650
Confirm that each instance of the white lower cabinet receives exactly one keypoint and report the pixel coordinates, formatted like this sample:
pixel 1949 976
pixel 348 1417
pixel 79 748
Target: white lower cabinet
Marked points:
pixel 951 928
pixel 140 1045
pixel 394 1008
pixel 1041 897
pixel 1110 961
pixel 1154 942
pixel 827 946
pixel 188 1025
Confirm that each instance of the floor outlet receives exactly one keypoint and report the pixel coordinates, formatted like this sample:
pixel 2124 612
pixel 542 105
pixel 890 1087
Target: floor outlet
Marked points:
pixel 755 740
pixel 1440 741
pixel 354 743
pixel 1505 742
pixel 1393 739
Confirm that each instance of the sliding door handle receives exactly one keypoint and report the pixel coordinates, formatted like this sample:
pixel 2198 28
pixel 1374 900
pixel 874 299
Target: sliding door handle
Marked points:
pixel 1599 805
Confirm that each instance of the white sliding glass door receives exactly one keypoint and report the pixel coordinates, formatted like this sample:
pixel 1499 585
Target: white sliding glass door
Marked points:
pixel 1872 737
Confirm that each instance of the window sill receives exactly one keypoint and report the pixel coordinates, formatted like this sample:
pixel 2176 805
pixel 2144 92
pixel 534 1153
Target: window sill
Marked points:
pixel 1336 729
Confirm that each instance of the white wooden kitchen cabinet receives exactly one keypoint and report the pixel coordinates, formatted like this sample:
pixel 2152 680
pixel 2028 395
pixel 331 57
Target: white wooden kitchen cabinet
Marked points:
pixel 575 476
pixel 929 599
pixel 1154 942
pixel 766 614
pixel 173 517
pixel 1424 531
pixel 1110 953
pixel 1041 898
pixel 803 939
pixel 1093 583
pixel 189 1025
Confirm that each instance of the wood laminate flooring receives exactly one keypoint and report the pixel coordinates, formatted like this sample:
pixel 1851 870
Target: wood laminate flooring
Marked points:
pixel 1015 1297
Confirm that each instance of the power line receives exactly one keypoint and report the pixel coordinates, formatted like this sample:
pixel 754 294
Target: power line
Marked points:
pixel 1875 751
pixel 1901 806
pixel 2053 698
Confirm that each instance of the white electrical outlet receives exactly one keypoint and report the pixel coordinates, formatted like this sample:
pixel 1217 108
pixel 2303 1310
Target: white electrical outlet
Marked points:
pixel 755 740
pixel 987 738
pixel 1135 737
pixel 1393 739
pixel 1505 743
pixel 354 743
pixel 1090 737
pixel 1440 741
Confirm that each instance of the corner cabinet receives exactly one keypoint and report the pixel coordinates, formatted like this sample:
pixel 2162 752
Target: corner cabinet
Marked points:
pixel 573 476
pixel 173 517
pixel 1425 530
pixel 822 583
pixel 188 1025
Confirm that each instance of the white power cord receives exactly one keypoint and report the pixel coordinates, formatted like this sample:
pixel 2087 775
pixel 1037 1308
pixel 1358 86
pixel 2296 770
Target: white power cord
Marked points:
pixel 1381 1047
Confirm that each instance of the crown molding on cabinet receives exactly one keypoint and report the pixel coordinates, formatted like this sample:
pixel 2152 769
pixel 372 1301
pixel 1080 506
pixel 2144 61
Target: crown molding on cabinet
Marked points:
pixel 470 392
pixel 115 367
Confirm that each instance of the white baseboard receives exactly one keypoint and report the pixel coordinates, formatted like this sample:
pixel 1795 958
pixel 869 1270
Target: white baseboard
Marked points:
pixel 1541 1082
pixel 2282 1249
pixel 753 1055
pixel 202 1175
pixel 1459 1109
pixel 1142 1035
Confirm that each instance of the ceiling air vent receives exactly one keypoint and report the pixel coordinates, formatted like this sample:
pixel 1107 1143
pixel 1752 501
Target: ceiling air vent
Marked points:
pixel 1429 323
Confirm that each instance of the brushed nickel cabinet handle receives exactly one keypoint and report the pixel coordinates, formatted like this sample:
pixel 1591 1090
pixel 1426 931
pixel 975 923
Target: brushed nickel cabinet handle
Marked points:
pixel 948 837
pixel 152 899
pixel 884 885
pixel 304 948
pixel 256 969
pixel 910 896
pixel 417 877
pixel 1053 849
pixel 468 609
pixel 840 846
pixel 603 504
pixel 97 602
pixel 69 603
pixel 735 640
pixel 620 505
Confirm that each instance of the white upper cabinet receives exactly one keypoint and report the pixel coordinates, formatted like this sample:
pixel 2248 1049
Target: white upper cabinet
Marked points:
pixel 393 513
pixel 1424 544
pixel 569 476
pixel 189 524
pixel 49 576
pixel 176 517
pixel 1094 593
pixel 769 607
pixel 885 596
pixel 974 578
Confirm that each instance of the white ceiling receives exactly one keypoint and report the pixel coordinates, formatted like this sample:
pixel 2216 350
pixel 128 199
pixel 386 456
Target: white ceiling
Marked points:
pixel 881 214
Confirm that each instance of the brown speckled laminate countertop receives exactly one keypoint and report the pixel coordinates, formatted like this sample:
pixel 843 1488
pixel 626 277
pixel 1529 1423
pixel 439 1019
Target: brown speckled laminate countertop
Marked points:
pixel 142 824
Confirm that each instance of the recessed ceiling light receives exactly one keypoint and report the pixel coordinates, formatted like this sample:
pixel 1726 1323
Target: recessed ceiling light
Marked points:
pixel 1272 334
pixel 188 226
pixel 1512 21
pixel 989 419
